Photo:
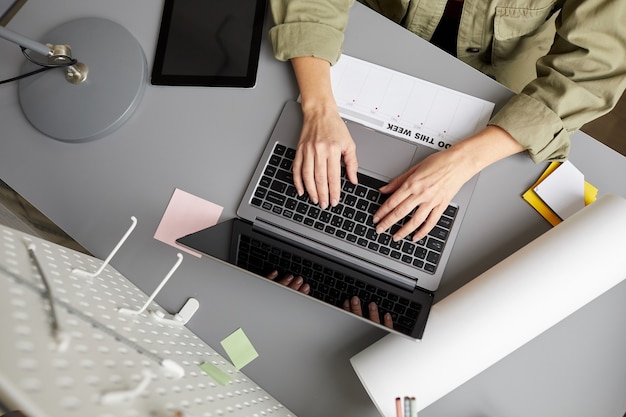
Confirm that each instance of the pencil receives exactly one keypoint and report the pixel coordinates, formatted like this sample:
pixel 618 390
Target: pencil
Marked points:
pixel 398 407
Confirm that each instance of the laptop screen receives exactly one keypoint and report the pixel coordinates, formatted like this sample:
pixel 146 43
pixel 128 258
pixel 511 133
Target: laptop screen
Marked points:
pixel 238 243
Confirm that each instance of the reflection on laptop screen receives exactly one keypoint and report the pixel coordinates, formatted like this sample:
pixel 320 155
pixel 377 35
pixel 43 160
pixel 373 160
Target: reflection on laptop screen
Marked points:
pixel 236 242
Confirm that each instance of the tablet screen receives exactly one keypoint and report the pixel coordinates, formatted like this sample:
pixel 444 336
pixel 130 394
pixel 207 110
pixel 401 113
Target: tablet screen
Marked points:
pixel 209 43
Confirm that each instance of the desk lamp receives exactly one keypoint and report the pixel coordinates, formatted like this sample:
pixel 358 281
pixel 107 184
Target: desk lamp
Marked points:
pixel 83 100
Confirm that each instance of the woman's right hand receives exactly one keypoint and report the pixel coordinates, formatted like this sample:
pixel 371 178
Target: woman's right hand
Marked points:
pixel 324 142
pixel 324 139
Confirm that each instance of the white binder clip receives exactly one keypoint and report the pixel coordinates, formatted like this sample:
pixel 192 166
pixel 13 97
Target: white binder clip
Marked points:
pixel 84 274
pixel 182 317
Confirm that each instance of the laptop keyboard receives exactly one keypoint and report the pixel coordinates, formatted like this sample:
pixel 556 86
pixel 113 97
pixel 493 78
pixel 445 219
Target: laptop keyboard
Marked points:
pixel 351 219
pixel 328 285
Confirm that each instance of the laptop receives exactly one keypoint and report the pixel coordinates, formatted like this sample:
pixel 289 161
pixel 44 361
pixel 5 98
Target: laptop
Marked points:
pixel 336 250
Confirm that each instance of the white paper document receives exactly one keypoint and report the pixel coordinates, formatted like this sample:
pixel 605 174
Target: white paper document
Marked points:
pixel 557 273
pixel 406 106
pixel 563 190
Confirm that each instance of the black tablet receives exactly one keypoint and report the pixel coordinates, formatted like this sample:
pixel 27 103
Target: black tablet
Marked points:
pixel 209 43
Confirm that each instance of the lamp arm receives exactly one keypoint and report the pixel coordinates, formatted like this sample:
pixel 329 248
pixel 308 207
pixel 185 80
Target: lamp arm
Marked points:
pixel 24 42
pixel 60 55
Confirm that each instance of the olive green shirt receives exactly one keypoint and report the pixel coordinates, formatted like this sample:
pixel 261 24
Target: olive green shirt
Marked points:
pixel 565 59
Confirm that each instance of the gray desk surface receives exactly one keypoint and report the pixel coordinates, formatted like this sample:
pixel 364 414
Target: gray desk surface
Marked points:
pixel 207 140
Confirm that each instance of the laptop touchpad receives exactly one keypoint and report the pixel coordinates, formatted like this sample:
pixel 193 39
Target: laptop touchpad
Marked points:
pixel 381 154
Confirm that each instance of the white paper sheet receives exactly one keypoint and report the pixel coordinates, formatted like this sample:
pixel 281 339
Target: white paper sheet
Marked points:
pixel 563 190
pixel 459 340
pixel 406 106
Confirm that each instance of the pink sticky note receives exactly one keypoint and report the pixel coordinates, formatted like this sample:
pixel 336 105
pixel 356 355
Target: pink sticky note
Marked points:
pixel 185 214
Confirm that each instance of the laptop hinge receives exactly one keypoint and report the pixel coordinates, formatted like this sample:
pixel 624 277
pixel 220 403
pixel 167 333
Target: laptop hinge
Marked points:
pixel 391 277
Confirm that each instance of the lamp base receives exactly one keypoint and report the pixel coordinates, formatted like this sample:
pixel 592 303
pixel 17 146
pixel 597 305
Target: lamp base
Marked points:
pixel 118 74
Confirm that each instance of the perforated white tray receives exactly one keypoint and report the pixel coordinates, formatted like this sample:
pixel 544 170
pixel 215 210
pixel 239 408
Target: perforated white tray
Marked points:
pixel 105 351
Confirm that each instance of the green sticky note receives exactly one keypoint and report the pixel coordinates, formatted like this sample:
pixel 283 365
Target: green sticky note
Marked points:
pixel 214 372
pixel 239 349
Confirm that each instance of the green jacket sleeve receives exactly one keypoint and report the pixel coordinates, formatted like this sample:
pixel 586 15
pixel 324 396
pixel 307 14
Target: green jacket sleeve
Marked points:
pixel 309 28
pixel 579 80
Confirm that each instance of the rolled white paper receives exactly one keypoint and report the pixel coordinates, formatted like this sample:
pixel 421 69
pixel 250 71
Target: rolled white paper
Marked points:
pixel 501 309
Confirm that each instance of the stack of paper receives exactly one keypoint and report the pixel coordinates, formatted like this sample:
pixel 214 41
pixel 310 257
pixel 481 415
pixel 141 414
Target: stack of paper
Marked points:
pixel 560 192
